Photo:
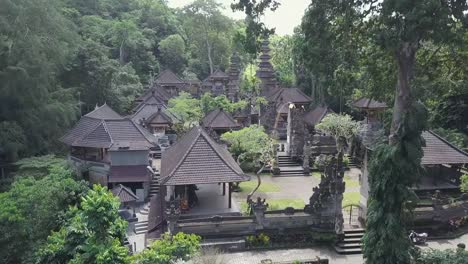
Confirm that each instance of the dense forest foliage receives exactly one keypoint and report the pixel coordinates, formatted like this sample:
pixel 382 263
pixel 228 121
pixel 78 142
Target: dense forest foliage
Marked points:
pixel 59 58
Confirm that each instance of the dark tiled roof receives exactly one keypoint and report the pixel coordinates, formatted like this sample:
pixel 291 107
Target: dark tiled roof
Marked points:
pixel 316 115
pixel 158 92
pixel 147 110
pixel 219 119
pixel 289 95
pixel 125 195
pixel 130 173
pixel 366 103
pixel 168 77
pixel 440 151
pixel 114 133
pixel 197 159
pixel 159 118
pixel 103 112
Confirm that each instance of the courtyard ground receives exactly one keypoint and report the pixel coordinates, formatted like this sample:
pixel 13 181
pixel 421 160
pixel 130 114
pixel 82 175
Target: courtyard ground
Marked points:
pixel 281 192
pixel 255 257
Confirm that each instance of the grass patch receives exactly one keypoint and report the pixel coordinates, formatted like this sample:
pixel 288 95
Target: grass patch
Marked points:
pixel 278 204
pixel 265 187
pixel 350 183
pixel 316 174
pixel 351 198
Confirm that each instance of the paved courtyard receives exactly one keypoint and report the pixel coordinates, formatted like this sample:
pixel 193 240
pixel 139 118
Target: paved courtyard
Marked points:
pixel 255 257
pixel 291 188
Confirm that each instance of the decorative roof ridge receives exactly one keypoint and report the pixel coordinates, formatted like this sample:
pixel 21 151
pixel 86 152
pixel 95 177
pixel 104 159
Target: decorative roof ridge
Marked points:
pixel 447 142
pixel 104 124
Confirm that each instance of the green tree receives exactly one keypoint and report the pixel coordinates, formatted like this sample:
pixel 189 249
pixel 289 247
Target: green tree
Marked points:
pixel 12 140
pixel 251 144
pixel 282 59
pixel 433 256
pixel 92 233
pixel 34 51
pixel 255 28
pixel 464 183
pixel 209 33
pixel 33 206
pixel 209 103
pixel 187 109
pixel 173 53
pixel 169 249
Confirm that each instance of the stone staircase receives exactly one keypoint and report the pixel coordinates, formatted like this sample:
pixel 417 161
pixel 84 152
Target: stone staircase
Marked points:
pixel 353 163
pixel 351 243
pixel 154 186
pixel 141 227
pixel 289 167
pixel 145 209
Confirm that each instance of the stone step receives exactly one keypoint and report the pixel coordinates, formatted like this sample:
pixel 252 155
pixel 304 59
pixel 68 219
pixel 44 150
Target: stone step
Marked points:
pixel 352 240
pixel 346 245
pixel 354 235
pixel 347 251
pixel 354 231
pixel 141 223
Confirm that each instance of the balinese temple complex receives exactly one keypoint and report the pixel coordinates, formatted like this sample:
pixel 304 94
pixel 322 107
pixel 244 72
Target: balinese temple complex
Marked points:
pixel 185 177
pixel 109 149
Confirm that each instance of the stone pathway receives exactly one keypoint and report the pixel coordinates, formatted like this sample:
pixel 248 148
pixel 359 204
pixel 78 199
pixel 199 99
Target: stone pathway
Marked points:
pixel 255 257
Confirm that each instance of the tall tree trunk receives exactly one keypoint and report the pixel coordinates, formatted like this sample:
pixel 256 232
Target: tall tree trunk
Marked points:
pixel 210 60
pixel 405 57
pixel 122 53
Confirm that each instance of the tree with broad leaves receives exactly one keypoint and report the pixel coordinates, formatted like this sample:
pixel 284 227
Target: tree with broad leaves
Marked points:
pixel 398 27
pixel 92 233
pixel 254 10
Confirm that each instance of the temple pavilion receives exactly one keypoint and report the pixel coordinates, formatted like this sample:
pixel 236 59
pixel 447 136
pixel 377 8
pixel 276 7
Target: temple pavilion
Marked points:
pixel 109 149
pixel 220 122
pixel 200 172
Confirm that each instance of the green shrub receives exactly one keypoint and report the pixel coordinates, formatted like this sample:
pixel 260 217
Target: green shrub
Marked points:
pixel 261 240
pixel 345 161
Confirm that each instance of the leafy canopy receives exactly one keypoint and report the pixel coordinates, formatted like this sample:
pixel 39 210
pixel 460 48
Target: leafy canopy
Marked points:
pixel 251 144
pixel 169 249
pixel 92 233
pixel 43 190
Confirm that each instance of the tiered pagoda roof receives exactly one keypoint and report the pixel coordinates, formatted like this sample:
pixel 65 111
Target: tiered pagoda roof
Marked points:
pixel 234 73
pixel 197 159
pixel 153 110
pixel 219 119
pixel 102 128
pixel 265 71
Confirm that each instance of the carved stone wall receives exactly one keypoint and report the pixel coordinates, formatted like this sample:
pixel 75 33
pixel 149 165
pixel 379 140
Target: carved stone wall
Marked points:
pixel 297 131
